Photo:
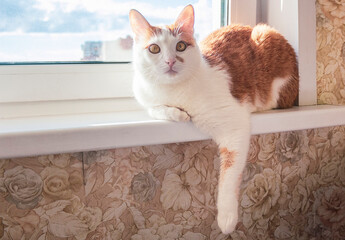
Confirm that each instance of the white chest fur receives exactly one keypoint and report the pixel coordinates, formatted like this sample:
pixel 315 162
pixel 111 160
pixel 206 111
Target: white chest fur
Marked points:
pixel 205 97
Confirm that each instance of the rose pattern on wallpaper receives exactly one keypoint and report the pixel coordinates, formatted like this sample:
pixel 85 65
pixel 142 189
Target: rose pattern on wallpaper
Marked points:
pixel 293 188
pixel 330 54
pixel 334 10
pixel 24 187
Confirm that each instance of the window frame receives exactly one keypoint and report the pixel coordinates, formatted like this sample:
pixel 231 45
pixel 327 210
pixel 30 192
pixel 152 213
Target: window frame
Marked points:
pixel 82 88
pixel 72 88
pixel 57 89
pixel 32 136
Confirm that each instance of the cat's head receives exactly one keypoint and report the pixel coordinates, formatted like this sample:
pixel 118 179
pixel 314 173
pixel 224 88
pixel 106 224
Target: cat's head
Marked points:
pixel 165 54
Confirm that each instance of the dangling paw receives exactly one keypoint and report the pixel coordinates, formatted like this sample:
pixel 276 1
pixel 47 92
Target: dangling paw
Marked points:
pixel 227 217
pixel 227 222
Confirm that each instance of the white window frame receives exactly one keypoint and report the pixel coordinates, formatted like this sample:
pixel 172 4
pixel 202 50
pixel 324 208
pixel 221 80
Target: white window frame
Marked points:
pixel 57 89
pixel 65 89
pixel 25 91
pixel 81 88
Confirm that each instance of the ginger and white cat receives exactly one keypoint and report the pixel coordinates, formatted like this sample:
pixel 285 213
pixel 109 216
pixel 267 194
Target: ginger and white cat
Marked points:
pixel 236 70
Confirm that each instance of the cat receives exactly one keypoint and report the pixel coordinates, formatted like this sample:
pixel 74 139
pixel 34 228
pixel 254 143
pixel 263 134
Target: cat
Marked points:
pixel 236 70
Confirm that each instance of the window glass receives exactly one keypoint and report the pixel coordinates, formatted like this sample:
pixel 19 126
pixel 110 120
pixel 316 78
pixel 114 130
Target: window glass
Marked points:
pixel 83 30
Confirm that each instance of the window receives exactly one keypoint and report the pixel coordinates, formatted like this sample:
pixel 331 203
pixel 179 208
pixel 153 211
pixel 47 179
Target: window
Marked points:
pixel 45 45
pixel 70 31
pixel 68 86
pixel 50 89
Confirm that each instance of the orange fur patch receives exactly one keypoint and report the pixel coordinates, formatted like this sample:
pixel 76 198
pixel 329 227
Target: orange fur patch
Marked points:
pixel 187 38
pixel 172 29
pixel 227 159
pixel 254 57
pixel 149 34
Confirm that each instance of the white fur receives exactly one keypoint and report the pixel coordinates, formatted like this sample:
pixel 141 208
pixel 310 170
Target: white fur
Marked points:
pixel 152 67
pixel 277 85
pixel 201 93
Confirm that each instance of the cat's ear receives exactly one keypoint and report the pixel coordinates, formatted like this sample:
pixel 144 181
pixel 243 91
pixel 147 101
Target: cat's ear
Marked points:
pixel 185 21
pixel 140 26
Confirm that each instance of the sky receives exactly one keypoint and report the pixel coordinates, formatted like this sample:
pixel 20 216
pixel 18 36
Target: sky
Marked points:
pixel 54 30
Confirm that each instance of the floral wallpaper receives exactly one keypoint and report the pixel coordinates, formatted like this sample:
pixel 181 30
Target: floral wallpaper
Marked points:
pixel 330 20
pixel 293 188
pixel 293 185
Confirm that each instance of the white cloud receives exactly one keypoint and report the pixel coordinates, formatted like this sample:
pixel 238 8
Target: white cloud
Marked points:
pixel 203 18
pixel 106 7
pixel 117 9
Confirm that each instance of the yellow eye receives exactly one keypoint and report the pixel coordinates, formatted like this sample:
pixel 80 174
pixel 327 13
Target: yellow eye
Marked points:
pixel 154 48
pixel 181 46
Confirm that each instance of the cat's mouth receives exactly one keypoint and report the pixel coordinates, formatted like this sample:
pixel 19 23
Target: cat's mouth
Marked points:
pixel 171 72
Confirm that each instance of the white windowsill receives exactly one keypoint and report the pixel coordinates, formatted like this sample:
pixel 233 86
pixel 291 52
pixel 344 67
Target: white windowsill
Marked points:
pixel 21 137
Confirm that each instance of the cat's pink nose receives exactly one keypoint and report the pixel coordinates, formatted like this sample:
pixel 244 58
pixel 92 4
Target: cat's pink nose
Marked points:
pixel 171 62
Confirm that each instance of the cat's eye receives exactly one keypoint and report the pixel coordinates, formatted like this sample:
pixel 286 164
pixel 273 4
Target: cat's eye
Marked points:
pixel 154 48
pixel 181 46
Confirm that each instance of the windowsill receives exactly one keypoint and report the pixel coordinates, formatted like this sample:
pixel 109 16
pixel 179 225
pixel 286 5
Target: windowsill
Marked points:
pixel 21 137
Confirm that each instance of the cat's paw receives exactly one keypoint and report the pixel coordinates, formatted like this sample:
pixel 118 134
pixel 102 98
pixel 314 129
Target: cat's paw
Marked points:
pixel 227 221
pixel 169 113
pixel 178 115
pixel 227 213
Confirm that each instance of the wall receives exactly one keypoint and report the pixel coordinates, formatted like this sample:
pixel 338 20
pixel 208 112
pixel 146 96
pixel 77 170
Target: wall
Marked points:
pixel 330 52
pixel 293 187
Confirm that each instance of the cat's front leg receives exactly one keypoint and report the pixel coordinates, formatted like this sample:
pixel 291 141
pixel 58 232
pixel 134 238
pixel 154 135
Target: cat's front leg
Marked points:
pixel 228 185
pixel 169 113
pixel 231 168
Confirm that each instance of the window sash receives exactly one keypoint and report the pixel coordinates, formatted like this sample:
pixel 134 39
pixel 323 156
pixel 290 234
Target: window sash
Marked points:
pixel 96 83
pixel 31 83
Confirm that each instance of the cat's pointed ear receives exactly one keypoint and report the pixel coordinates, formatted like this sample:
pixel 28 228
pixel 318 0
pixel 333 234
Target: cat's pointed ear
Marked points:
pixel 140 26
pixel 185 21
